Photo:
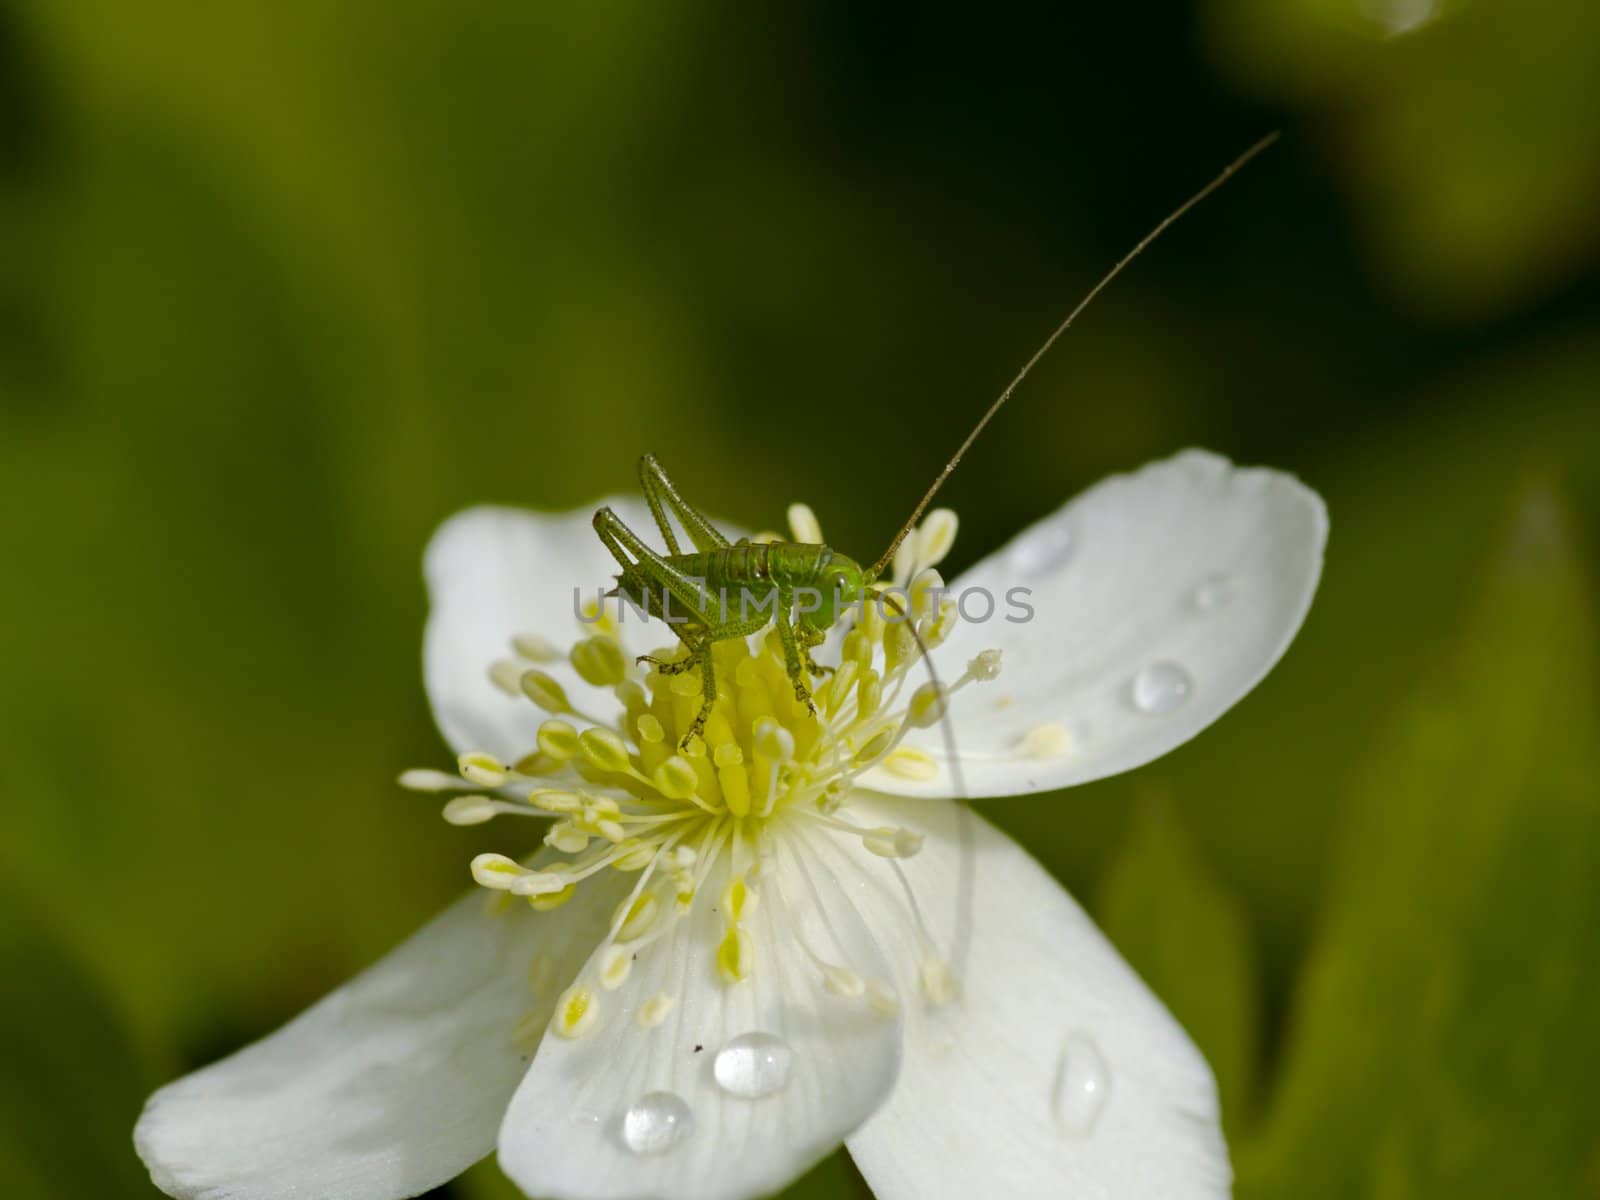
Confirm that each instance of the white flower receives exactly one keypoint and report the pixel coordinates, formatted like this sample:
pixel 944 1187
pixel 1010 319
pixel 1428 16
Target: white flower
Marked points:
pixel 726 962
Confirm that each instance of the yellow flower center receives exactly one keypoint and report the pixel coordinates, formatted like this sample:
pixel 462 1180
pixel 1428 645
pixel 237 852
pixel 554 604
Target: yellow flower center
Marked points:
pixel 623 797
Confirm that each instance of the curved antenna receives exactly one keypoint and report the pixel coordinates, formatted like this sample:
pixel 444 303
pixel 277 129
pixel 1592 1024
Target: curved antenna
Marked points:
pixel 961 935
pixel 888 597
pixel 999 403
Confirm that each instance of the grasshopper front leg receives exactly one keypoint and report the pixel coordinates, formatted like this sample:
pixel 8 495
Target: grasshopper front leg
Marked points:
pixel 809 639
pixel 791 649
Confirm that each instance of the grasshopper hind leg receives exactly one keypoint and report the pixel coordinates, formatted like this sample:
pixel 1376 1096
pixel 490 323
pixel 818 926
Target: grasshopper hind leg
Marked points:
pixel 669 666
pixel 808 639
pixel 708 697
pixel 699 656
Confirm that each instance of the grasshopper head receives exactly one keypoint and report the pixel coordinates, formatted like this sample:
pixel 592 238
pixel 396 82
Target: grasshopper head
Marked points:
pixel 842 583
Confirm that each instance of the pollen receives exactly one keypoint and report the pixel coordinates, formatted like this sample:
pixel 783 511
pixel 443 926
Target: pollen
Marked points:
pixel 910 763
pixel 654 1010
pixel 576 1012
pixel 482 769
pixel 615 964
pixel 1050 740
pixel 698 817
pixel 735 956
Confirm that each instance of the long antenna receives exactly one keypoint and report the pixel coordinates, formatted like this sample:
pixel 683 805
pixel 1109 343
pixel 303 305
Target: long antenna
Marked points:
pixel 927 497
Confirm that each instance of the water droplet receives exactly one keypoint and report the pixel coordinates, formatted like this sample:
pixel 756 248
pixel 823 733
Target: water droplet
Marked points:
pixel 1161 687
pixel 754 1065
pixel 1083 1085
pixel 1212 593
pixel 1043 549
pixel 657 1122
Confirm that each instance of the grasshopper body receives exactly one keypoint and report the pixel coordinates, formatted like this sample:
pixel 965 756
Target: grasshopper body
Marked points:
pixel 724 589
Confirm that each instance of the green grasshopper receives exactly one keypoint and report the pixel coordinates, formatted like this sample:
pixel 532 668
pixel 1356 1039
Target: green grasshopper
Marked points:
pixel 768 576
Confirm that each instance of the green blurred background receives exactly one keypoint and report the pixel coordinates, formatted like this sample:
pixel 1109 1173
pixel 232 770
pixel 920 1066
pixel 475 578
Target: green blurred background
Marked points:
pixel 284 284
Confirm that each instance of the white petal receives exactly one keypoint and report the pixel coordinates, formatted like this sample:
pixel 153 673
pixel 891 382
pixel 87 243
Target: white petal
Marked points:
pixel 1191 571
pixel 1045 1004
pixel 494 573
pixel 385 1088
pixel 564 1133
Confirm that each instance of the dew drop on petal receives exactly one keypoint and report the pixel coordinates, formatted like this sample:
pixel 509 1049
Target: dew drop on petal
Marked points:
pixel 1043 550
pixel 657 1122
pixel 1211 593
pixel 1083 1085
pixel 754 1065
pixel 1161 687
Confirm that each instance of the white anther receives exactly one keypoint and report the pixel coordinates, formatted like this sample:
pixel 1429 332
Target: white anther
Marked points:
pixel 553 800
pixel 636 859
pixel 877 746
pixel 735 956
pixel 869 693
pixel 910 763
pixel 558 740
pixel 482 768
pixel 633 920
pixel 893 843
pixel 615 964
pixel 604 750
pixel 575 1013
pixel 935 536
pixel 899 646
pixel 566 837
pixel 507 676
pixel 881 999
pixel 927 589
pixel 938 984
pixel 544 691
pixel 538 883
pixel 497 872
pixel 842 981
pixel 599 661
pixel 738 899
pixel 1049 740
pixel 469 810
pixel 772 740
pixel 928 704
pixel 936 629
pixel 985 667
pixel 422 779
pixel 654 1010
pixel 904 559
pixel 803 524
pixel 676 779
pixel 534 648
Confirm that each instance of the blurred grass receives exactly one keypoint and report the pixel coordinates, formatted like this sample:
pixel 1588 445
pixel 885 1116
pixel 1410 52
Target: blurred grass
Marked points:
pixel 1191 941
pixel 282 286
pixel 1445 1043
